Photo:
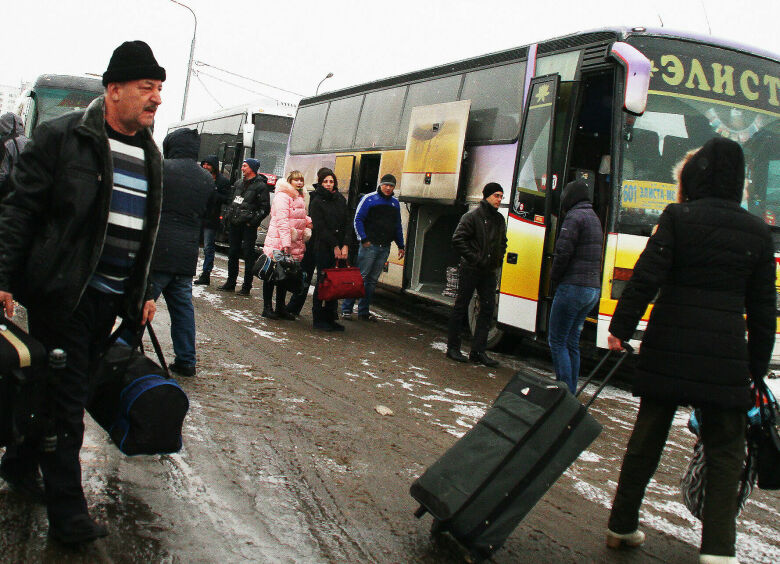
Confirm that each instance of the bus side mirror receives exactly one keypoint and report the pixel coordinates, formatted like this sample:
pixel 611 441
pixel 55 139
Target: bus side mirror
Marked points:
pixel 637 71
pixel 248 134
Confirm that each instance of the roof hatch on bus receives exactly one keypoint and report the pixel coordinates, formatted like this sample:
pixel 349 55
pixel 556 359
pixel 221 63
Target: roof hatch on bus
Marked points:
pixel 434 152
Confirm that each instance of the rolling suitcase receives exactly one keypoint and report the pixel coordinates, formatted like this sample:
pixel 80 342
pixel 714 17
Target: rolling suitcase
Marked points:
pixel 486 483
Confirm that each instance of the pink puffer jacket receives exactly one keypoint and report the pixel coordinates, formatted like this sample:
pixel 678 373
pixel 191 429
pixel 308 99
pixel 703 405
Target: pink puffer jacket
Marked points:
pixel 289 222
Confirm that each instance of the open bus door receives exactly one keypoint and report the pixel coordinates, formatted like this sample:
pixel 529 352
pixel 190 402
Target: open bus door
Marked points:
pixel 430 181
pixel 522 272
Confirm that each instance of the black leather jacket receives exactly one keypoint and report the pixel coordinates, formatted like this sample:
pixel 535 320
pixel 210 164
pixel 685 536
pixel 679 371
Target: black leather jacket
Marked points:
pixel 480 238
pixel 53 223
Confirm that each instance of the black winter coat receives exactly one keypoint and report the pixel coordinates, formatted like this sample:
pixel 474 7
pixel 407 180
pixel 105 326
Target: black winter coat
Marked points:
pixel 330 219
pixel 713 262
pixel 220 195
pixel 188 188
pixel 53 224
pixel 480 238
pixel 251 202
pixel 578 248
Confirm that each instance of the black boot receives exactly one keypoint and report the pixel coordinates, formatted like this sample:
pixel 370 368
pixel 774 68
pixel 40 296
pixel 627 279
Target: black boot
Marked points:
pixel 456 355
pixel 228 287
pixel 480 357
pixel 203 280
pixel 77 529
pixel 269 313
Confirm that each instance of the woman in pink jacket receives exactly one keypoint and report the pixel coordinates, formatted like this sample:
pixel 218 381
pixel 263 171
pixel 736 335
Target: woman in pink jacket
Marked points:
pixel 288 231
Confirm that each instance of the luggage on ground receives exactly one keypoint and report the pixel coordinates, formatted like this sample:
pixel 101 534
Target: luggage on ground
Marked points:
pixel 486 483
pixel 24 398
pixel 136 401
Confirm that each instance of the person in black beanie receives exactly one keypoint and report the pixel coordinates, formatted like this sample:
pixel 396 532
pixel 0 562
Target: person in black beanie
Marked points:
pixel 76 236
pixel 480 241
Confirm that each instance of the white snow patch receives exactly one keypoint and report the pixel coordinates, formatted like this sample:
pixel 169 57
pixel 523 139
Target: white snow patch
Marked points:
pixel 270 335
pixel 439 346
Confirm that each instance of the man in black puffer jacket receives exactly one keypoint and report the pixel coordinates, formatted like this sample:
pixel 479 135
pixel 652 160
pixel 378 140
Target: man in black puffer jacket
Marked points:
pixel 211 223
pixel 576 271
pixel 480 241
pixel 188 188
pixel 250 204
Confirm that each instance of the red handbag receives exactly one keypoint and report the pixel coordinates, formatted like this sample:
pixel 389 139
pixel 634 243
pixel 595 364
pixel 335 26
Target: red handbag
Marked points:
pixel 340 282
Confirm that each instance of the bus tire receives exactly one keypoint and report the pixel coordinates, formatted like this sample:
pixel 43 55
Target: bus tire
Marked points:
pixel 495 335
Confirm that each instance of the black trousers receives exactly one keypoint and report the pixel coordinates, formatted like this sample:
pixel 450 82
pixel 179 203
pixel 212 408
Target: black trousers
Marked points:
pixel 83 336
pixel 321 310
pixel 484 283
pixel 268 291
pixel 308 264
pixel 242 245
pixel 723 435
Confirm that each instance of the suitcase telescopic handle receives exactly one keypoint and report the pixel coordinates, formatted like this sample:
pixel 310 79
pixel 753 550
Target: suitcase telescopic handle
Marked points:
pixel 627 350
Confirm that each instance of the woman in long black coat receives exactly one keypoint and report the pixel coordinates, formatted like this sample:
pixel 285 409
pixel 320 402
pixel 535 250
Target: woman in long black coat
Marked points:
pixel 712 265
pixel 330 223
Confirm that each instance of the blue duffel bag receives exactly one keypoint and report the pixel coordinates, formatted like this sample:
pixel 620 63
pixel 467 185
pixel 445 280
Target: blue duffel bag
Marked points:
pixel 136 401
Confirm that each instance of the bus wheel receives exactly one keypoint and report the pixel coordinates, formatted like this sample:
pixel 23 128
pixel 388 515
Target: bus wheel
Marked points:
pixel 494 334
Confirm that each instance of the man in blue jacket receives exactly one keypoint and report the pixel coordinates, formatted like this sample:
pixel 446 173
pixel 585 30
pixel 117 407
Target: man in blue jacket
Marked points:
pixel 377 224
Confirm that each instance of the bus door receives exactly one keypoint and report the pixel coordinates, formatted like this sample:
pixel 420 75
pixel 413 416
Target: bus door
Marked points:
pixel 344 169
pixel 528 216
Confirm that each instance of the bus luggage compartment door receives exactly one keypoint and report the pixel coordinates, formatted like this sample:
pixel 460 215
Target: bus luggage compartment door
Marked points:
pixel 434 152
pixel 527 220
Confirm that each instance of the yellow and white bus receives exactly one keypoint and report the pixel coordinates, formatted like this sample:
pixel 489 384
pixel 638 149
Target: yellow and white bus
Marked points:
pixel 614 107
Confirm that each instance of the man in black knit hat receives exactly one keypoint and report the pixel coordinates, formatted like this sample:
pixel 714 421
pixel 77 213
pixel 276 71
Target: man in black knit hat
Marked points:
pixel 76 237
pixel 480 241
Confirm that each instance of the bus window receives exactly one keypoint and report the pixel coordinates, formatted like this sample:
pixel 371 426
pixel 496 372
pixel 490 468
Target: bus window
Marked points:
pixel 341 123
pixel 670 128
pixel 217 131
pixel 424 94
pixel 564 64
pixel 307 129
pixel 54 102
pixel 495 111
pixel 270 142
pixel 380 117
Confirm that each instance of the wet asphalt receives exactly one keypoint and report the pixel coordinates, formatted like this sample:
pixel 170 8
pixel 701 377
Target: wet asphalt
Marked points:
pixel 288 457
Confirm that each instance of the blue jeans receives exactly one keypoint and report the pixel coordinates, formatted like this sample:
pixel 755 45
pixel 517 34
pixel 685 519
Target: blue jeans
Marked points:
pixel 569 309
pixel 370 260
pixel 209 247
pixel 177 291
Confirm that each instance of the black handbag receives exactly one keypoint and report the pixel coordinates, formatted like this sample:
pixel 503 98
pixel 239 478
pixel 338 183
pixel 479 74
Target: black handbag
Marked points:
pixel 766 439
pixel 288 273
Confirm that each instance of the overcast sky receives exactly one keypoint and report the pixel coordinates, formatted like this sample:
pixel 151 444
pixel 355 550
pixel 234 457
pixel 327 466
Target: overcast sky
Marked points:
pixel 293 44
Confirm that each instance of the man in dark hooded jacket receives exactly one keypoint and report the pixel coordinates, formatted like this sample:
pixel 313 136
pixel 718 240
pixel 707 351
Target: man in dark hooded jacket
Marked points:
pixel 188 188
pixel 710 266
pixel 576 271
pixel 12 130
pixel 480 241
pixel 219 196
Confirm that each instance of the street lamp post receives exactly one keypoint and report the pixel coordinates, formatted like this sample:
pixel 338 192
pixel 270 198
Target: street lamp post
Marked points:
pixel 327 76
pixel 189 64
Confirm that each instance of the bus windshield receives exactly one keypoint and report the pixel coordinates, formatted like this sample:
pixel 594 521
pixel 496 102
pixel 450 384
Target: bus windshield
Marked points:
pixel 54 102
pixel 692 100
